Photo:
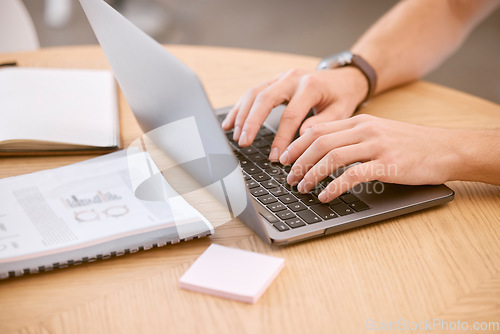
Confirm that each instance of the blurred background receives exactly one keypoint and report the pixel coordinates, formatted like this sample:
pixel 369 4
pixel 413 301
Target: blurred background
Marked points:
pixel 313 27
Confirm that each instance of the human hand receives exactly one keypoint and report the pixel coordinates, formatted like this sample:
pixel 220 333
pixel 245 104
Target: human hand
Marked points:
pixel 389 151
pixel 334 94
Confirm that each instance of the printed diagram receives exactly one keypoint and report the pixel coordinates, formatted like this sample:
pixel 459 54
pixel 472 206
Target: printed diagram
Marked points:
pixel 89 212
pixel 116 211
pixel 90 215
pixel 86 216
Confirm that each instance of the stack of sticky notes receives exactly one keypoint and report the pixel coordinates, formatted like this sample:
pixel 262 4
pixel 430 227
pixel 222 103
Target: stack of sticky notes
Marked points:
pixel 232 273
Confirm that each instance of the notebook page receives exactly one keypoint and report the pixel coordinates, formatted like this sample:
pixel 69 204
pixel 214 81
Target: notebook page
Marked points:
pixel 59 105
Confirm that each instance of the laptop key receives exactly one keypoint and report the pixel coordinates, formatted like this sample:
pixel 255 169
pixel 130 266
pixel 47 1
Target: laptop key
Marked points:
pixel 264 212
pixel 265 150
pixel 317 190
pixel 342 209
pixel 248 150
pixel 261 177
pixel 252 184
pixel 290 188
pixel 335 201
pixel 275 207
pixel 309 199
pixel 295 222
pixel 269 138
pixel 309 217
pixel 280 178
pixel 287 199
pixel 286 214
pixel 244 161
pixel 258 191
pixel 349 198
pixel 260 143
pixel 265 132
pixel 324 211
pixel 278 191
pixel 359 206
pixel 280 226
pixel 297 206
pixel 270 184
pixel 273 170
pixel 300 195
pixel 264 164
pixel 257 157
pixel 327 180
pixel 252 169
pixel 267 199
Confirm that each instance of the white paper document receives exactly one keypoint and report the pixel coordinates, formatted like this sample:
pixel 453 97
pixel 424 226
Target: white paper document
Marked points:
pixel 92 206
pixel 59 106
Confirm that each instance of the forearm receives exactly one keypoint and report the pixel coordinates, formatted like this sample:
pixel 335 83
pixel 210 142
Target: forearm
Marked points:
pixel 416 36
pixel 477 156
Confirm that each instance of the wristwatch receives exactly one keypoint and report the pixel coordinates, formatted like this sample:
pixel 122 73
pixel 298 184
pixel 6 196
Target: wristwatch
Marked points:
pixel 346 58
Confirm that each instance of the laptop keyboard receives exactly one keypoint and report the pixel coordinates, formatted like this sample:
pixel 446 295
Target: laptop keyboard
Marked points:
pixel 281 204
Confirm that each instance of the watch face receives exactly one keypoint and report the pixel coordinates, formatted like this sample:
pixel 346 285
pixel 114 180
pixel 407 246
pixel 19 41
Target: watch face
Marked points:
pixel 337 60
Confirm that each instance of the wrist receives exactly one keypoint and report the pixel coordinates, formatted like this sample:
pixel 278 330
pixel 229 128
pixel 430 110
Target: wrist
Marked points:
pixel 357 84
pixel 476 160
pixel 452 155
pixel 348 59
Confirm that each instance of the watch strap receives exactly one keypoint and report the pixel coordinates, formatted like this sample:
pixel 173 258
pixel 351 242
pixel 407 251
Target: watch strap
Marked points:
pixel 368 72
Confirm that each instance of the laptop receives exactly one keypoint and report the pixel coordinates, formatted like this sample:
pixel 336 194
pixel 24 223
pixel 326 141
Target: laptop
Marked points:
pixel 161 90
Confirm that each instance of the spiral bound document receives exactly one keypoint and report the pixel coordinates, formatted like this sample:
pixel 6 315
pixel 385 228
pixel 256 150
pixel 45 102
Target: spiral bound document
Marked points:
pixel 89 211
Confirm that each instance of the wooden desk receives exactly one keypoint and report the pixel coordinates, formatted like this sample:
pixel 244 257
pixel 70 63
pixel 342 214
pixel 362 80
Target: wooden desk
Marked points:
pixel 442 263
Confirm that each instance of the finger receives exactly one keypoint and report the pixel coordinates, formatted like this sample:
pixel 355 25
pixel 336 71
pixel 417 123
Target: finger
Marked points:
pixel 228 122
pixel 335 159
pixel 350 178
pixel 333 113
pixel 264 102
pixel 301 102
pixel 326 145
pixel 245 105
pixel 301 144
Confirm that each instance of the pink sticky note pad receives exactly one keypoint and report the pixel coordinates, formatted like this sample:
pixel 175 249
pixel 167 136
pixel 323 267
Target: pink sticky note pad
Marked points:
pixel 232 273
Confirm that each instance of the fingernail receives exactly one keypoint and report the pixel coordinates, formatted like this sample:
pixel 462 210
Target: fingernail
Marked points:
pixel 284 158
pixel 273 156
pixel 322 196
pixel 301 186
pixel 243 139
pixel 291 178
pixel 224 123
pixel 236 133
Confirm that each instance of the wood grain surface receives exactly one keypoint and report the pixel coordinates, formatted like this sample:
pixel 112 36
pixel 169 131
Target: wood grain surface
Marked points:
pixel 441 263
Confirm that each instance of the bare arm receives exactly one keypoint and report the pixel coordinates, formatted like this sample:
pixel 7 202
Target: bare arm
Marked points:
pixel 390 151
pixel 416 36
pixel 478 155
pixel 409 41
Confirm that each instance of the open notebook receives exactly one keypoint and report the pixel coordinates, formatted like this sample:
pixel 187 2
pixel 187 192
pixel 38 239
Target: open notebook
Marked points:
pixel 57 111
pixel 108 206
